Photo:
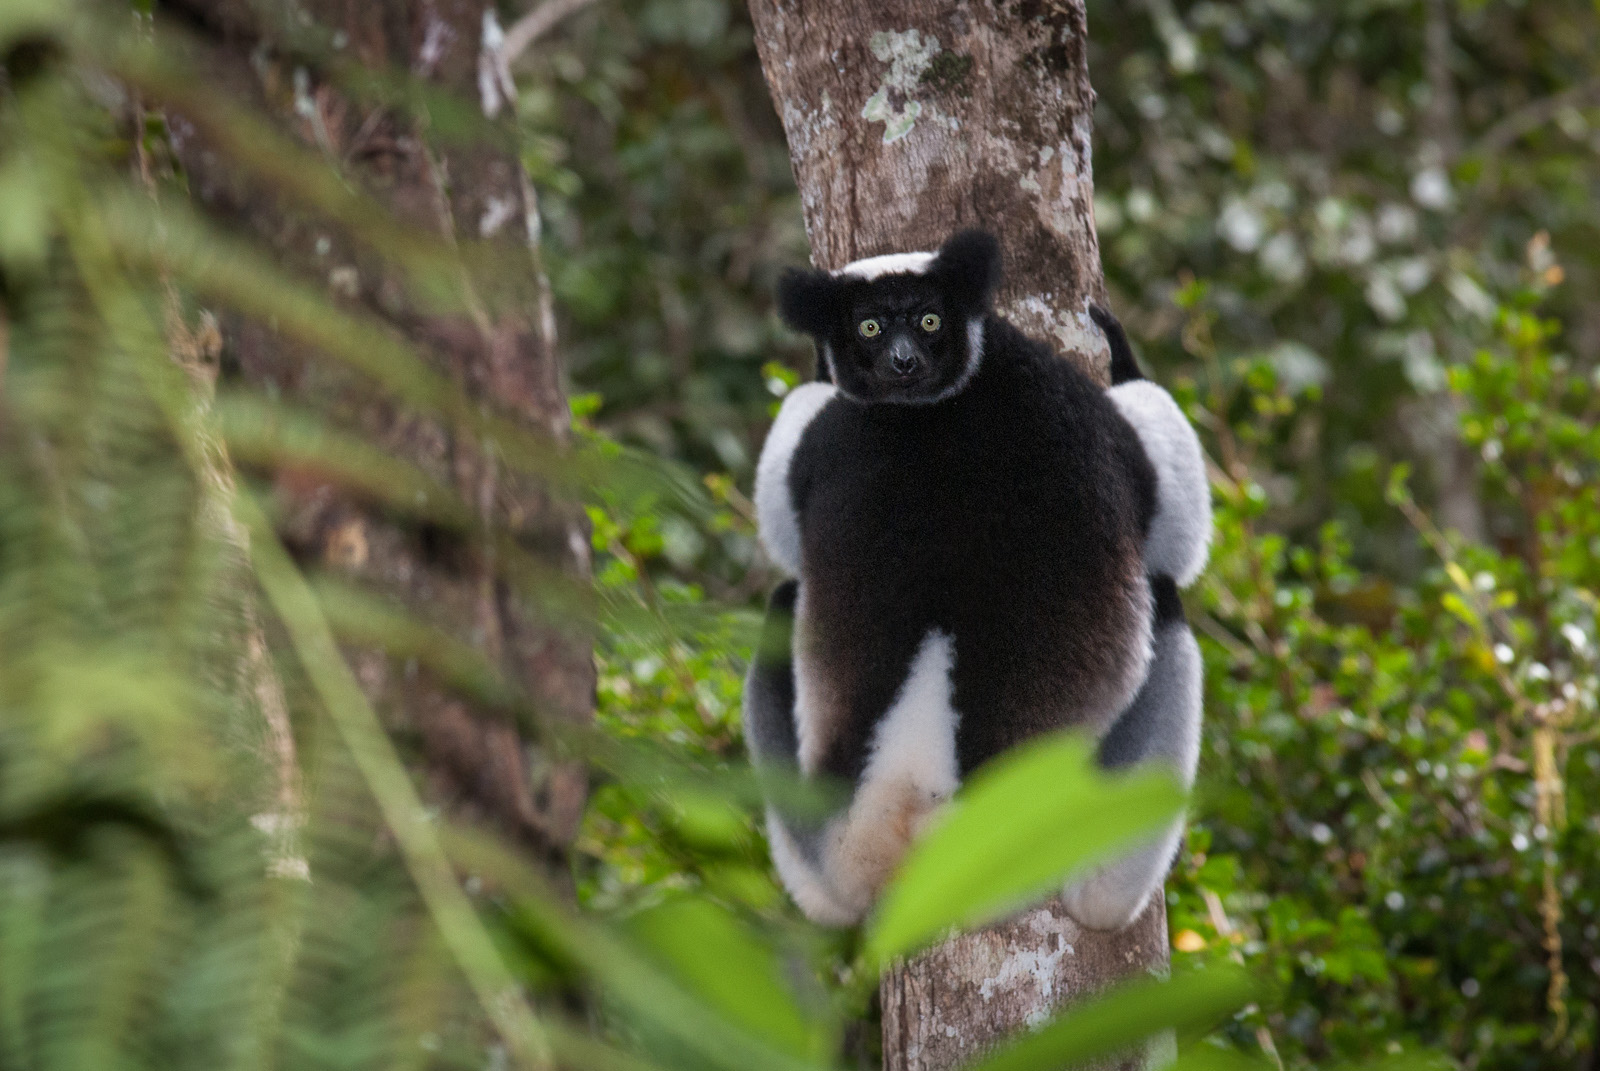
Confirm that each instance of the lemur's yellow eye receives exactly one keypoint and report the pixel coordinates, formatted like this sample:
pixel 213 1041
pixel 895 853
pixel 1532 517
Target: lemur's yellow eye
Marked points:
pixel 930 323
pixel 869 328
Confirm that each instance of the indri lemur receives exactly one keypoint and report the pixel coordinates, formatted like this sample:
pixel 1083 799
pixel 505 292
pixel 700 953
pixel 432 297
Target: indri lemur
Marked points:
pixel 986 546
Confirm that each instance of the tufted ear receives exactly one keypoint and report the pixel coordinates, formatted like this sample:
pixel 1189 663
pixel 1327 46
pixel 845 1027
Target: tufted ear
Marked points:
pixel 808 301
pixel 968 267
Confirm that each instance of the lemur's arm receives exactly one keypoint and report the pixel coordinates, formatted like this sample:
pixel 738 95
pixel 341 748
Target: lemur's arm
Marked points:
pixel 777 519
pixel 1180 533
pixel 1162 724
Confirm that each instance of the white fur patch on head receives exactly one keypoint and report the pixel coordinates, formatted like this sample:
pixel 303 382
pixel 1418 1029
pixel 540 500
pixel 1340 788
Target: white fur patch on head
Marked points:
pixel 776 519
pixel 888 264
pixel 1180 533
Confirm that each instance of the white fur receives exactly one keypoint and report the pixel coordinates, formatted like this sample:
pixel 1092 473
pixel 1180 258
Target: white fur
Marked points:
pixel 911 772
pixel 1180 534
pixel 915 741
pixel 808 888
pixel 888 264
pixel 776 519
pixel 1114 895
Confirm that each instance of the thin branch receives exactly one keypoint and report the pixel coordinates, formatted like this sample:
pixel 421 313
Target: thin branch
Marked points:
pixel 1532 116
pixel 534 25
pixel 369 745
pixel 1440 116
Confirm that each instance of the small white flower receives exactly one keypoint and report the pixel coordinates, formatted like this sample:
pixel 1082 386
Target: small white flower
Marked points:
pixel 1282 259
pixel 1412 273
pixel 1430 188
pixel 1384 297
pixel 1141 204
pixel 1241 226
pixel 1397 223
pixel 1576 637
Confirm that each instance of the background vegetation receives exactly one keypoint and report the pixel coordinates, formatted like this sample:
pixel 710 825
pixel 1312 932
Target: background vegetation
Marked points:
pixel 1358 240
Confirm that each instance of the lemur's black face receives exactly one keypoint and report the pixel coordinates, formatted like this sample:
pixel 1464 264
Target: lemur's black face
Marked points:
pixel 905 330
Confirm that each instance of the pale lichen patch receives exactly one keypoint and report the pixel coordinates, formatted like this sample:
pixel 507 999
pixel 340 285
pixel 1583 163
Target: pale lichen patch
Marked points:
pixel 908 55
pixel 896 124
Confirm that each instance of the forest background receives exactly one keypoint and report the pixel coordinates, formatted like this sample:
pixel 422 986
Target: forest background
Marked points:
pixel 1360 241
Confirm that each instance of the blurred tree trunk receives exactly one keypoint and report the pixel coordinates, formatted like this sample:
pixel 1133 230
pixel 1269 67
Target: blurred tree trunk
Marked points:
pixel 501 352
pixel 906 120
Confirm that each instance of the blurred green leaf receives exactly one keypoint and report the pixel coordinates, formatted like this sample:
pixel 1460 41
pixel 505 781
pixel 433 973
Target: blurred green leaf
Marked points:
pixel 1022 826
pixel 1129 1014
pixel 729 967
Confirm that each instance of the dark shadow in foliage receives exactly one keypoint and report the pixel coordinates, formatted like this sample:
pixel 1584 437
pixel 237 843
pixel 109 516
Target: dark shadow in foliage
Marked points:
pixel 65 827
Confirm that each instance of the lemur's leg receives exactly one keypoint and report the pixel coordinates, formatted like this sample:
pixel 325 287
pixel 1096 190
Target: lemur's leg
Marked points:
pixel 776 519
pixel 1161 725
pixel 835 866
pixel 772 738
pixel 911 773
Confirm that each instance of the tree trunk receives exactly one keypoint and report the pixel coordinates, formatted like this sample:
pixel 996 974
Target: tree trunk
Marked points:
pixel 501 353
pixel 906 120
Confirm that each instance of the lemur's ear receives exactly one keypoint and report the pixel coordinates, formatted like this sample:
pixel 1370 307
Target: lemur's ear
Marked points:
pixel 807 301
pixel 968 265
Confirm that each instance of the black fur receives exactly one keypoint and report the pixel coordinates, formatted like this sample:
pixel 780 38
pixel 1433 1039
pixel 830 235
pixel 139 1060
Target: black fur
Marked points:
pixel 968 270
pixel 806 300
pixel 770 685
pixel 1010 516
pixel 1168 607
pixel 1124 366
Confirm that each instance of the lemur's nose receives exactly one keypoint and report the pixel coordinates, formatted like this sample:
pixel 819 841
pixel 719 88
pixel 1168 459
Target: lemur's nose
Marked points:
pixel 903 358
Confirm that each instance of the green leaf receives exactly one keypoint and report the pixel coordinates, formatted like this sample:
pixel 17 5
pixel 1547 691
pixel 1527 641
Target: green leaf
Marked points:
pixel 1124 1017
pixel 19 18
pixel 714 956
pixel 1205 1058
pixel 1021 828
pixel 24 215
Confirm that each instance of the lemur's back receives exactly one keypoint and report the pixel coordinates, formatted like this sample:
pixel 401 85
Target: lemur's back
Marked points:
pixel 1051 631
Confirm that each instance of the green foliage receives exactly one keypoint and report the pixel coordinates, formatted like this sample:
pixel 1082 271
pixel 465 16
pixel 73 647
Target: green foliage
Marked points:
pixel 1390 824
pixel 1367 270
pixel 214 851
pixel 1353 259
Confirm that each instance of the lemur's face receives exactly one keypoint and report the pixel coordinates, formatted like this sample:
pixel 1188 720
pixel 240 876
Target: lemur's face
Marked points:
pixel 903 329
pixel 896 341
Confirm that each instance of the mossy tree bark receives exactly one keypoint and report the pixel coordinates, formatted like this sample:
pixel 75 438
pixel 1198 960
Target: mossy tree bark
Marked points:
pixel 906 120
pixel 443 163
